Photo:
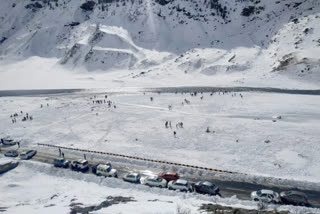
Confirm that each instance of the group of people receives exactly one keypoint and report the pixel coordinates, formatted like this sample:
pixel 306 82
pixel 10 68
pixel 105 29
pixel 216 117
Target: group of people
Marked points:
pixel 41 106
pixel 110 104
pixel 169 125
pixel 61 154
pixel 25 118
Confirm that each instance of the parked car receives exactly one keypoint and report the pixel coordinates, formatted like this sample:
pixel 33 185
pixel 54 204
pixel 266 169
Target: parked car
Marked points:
pixel 80 164
pixel 106 170
pixel 206 187
pixel 154 181
pixel 267 196
pixel 7 165
pixel 294 198
pixel 180 184
pixel 169 175
pixel 8 142
pixel 11 153
pixel 132 177
pixel 61 162
pixel 27 154
pixel 94 166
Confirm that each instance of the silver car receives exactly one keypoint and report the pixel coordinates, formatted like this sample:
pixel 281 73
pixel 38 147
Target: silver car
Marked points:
pixel 11 153
pixel 132 177
pixel 179 184
pixel 267 196
pixel 154 181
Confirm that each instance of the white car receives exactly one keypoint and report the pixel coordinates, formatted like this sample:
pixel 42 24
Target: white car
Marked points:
pixel 106 170
pixel 267 196
pixel 154 181
pixel 179 184
pixel 27 154
pixel 132 177
pixel 80 164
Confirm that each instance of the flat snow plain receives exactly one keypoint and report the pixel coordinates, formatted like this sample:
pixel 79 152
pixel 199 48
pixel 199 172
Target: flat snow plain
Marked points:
pixel 239 128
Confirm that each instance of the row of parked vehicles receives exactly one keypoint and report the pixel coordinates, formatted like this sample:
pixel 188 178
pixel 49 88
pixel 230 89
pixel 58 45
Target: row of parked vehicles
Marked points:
pixel 25 155
pixel 168 179
pixel 290 197
pixel 172 181
pixel 100 169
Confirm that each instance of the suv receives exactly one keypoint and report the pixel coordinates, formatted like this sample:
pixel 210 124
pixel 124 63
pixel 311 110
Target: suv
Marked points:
pixel 80 164
pixel 179 184
pixel 267 196
pixel 294 198
pixel 61 162
pixel 169 175
pixel 206 187
pixel 106 170
pixel 27 154
pixel 94 166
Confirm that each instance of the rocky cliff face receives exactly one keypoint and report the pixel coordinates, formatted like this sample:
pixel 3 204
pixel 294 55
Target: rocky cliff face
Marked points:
pixel 157 37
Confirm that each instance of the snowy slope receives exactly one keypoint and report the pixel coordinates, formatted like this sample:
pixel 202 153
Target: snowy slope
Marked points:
pixel 210 42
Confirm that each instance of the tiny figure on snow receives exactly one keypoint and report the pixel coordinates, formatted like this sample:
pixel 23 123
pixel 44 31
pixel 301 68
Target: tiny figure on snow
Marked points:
pixel 208 130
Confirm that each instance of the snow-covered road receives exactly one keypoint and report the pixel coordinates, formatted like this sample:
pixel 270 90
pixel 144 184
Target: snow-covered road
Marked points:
pixel 228 186
pixel 35 187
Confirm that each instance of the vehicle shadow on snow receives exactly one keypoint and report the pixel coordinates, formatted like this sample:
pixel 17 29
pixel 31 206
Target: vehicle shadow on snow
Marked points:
pixel 111 200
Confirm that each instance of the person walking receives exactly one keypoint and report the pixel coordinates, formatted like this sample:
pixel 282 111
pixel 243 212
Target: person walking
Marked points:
pixel 59 152
pixel 18 145
pixel 84 155
pixel 174 133
pixel 62 155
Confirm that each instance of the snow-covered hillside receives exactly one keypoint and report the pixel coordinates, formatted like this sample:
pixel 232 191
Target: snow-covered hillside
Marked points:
pixel 147 42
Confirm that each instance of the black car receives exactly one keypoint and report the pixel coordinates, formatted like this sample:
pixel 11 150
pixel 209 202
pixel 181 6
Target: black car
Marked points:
pixel 206 187
pixel 294 198
pixel 94 166
pixel 61 162
pixel 8 142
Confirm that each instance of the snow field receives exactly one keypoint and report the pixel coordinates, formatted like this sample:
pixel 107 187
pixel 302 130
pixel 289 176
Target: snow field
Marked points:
pixel 136 127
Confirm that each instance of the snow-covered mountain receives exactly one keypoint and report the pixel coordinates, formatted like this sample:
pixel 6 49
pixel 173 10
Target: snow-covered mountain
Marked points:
pixel 193 42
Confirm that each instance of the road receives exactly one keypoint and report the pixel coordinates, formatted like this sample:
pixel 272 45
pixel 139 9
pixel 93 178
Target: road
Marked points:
pixel 182 89
pixel 204 89
pixel 227 188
